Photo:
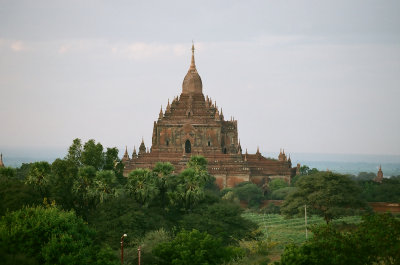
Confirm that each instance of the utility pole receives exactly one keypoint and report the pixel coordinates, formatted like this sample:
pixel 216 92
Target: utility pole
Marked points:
pixel 122 247
pixel 305 218
pixel 139 252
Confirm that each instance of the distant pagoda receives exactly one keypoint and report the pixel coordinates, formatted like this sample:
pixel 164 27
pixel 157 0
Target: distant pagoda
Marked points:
pixel 379 175
pixel 1 160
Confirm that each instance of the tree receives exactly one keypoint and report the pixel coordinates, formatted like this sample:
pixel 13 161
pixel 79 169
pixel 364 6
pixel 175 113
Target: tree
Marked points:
pixel 280 194
pixel 104 185
pixel 23 171
pixel 7 173
pixel 376 240
pixel 306 170
pixel 113 162
pixel 141 185
pixel 47 235
pixel 84 198
pixel 249 192
pixel 92 154
pixel 63 174
pixel 75 153
pixel 163 171
pixel 195 248
pixel 14 194
pixel 39 176
pixel 387 191
pixel 189 189
pixel 222 219
pixel 327 194
pixel 276 184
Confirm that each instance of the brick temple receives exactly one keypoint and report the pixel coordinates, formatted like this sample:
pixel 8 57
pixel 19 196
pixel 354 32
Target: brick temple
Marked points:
pixel 192 125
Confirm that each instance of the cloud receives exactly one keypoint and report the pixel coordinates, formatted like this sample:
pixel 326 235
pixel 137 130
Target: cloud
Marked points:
pixel 64 48
pixel 143 50
pixel 18 46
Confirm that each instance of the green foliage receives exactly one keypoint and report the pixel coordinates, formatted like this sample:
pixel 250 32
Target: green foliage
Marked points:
pixel 283 231
pixel 104 185
pixel 112 162
pixel 325 193
pixel 142 185
pixel 280 194
pixel 50 236
pixel 365 176
pixel 123 214
pixel 7 173
pixel 74 155
pixel 222 220
pixel 147 244
pixel 231 197
pixel 198 163
pixel 256 252
pixel 195 248
pixel 375 241
pixel 82 189
pixel 163 170
pixel 387 191
pixel 14 194
pixel 39 176
pixel 305 170
pixel 277 184
pixel 92 154
pixel 271 208
pixel 249 192
pixel 187 189
pixel 63 174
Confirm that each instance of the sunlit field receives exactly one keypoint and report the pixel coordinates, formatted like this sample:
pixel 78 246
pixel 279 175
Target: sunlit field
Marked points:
pixel 280 231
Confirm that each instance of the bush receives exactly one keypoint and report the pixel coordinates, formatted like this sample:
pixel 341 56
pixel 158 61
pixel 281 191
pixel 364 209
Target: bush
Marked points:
pixel 195 248
pixel 249 192
pixel 51 236
pixel 280 194
pixel 277 184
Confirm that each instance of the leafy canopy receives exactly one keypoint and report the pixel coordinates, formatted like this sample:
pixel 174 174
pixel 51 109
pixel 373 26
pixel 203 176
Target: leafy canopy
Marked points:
pixel 327 194
pixel 375 241
pixel 195 248
pixel 51 236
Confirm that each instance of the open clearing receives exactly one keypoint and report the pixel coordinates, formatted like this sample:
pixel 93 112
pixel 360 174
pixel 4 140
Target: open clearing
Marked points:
pixel 280 231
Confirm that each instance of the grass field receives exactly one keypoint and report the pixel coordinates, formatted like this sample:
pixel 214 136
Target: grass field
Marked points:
pixel 280 231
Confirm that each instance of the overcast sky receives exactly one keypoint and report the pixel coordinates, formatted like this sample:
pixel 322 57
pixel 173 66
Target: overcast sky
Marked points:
pixel 307 76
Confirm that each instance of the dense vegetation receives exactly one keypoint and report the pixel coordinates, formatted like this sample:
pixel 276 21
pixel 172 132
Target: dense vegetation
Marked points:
pixel 74 211
pixel 87 186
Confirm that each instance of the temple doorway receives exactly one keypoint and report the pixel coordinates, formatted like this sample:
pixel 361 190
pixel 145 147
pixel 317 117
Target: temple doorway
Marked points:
pixel 188 147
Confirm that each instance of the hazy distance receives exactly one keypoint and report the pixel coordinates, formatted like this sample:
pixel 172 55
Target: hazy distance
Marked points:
pixel 308 76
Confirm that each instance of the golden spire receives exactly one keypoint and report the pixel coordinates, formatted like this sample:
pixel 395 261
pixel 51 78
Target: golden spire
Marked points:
pixel 192 63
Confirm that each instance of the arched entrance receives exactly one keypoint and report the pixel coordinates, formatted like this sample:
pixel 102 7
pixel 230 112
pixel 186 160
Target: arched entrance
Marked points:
pixel 188 147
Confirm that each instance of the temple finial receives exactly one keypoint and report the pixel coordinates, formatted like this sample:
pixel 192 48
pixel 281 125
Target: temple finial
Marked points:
pixel 192 63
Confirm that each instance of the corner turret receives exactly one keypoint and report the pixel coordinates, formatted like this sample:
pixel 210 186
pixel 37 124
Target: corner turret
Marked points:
pixel 142 148
pixel 126 155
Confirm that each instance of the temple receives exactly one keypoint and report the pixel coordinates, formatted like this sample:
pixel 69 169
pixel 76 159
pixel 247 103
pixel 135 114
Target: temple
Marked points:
pixel 192 124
